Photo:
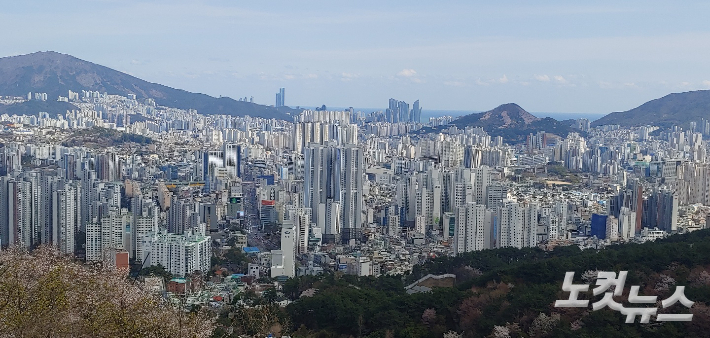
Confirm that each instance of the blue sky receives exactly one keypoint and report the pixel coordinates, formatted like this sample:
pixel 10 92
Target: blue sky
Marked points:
pixel 550 56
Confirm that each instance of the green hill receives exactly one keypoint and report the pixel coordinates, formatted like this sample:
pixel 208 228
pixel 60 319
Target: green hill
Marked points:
pixel 513 123
pixel 55 74
pixel 672 109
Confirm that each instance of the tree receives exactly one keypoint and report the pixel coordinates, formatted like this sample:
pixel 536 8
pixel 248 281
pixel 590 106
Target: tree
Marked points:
pixel 269 295
pixel 157 271
pixel 74 300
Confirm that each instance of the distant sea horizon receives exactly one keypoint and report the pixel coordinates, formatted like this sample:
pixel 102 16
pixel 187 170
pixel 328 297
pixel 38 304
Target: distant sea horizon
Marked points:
pixel 429 113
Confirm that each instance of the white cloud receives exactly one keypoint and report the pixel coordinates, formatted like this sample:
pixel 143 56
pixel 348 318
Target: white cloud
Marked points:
pixel 481 83
pixel 311 76
pixel 560 79
pixel 543 78
pixel 504 79
pixel 706 83
pixel 348 76
pixel 617 85
pixel 407 72
pixel 454 83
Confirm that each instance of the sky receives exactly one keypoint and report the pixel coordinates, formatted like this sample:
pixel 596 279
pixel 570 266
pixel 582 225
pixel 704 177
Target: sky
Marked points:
pixel 546 56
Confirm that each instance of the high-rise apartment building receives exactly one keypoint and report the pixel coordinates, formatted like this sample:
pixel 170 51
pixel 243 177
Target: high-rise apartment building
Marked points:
pixel 472 232
pixel 510 226
pixel 333 183
pixel 66 217
pixel 398 111
pixel 181 255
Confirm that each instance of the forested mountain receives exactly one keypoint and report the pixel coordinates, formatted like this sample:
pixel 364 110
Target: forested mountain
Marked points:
pixel 55 74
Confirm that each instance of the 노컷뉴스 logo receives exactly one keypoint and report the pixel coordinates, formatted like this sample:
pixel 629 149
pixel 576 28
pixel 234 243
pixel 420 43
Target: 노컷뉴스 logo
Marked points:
pixel 607 279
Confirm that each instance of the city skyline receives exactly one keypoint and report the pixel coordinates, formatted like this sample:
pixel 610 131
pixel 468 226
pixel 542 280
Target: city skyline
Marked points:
pixel 155 179
pixel 552 57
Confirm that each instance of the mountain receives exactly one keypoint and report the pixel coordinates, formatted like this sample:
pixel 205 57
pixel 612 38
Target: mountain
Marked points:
pixel 55 74
pixel 672 109
pixel 513 123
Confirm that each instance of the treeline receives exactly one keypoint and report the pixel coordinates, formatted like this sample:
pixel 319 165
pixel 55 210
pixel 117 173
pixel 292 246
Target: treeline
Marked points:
pixel 104 137
pixel 509 293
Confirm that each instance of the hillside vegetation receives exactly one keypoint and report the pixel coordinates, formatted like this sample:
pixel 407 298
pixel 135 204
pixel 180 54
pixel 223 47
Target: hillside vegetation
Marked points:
pixel 672 109
pixel 510 292
pixel 43 294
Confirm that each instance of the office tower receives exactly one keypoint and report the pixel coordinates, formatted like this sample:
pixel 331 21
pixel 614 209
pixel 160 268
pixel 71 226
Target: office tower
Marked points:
pixel 598 226
pixel 280 98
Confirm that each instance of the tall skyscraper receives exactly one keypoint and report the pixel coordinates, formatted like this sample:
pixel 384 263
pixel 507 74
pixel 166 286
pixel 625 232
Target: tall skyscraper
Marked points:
pixel 280 98
pixel 66 216
pixel 398 111
pixel 333 189
pixel 416 112
pixel 352 193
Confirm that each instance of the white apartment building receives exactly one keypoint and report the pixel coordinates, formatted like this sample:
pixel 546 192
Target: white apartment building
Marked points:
pixel 181 255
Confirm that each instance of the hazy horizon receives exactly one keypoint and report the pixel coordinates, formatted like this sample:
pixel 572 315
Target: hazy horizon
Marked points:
pixel 427 113
pixel 549 56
